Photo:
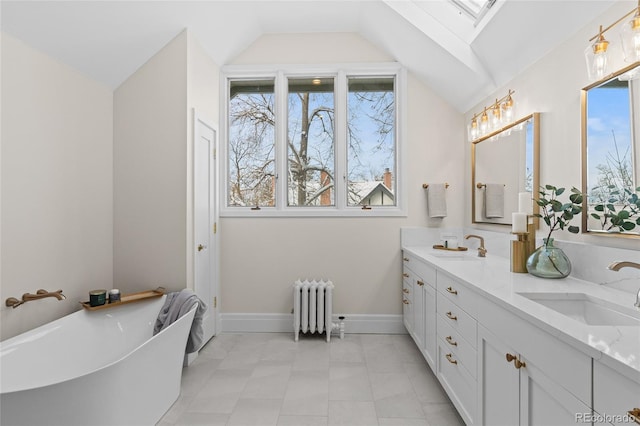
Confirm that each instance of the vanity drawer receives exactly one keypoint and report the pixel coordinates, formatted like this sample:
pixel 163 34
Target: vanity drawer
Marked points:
pixel 458 384
pixel 408 276
pixel 460 321
pixel 407 290
pixel 457 293
pixel 463 350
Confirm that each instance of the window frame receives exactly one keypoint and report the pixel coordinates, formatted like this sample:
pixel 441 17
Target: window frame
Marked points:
pixel 340 73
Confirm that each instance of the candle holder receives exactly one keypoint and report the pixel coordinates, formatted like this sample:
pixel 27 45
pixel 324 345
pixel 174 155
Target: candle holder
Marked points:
pixel 522 248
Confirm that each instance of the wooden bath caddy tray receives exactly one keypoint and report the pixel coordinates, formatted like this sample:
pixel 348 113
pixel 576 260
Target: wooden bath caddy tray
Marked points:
pixel 441 247
pixel 127 298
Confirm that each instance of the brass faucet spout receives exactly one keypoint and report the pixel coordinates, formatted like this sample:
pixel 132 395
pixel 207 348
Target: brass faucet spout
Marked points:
pixel 616 266
pixel 482 252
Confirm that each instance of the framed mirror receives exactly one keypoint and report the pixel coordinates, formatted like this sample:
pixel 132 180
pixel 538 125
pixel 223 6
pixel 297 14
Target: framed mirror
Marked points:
pixel 611 154
pixel 504 164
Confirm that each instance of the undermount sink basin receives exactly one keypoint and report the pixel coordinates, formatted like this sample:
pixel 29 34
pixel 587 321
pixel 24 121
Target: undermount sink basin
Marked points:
pixel 587 309
pixel 454 255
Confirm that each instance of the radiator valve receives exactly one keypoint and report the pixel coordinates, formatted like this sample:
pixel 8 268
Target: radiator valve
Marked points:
pixel 339 326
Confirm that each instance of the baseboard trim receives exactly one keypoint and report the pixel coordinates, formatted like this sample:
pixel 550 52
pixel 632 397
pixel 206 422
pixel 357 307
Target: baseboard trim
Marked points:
pixel 283 323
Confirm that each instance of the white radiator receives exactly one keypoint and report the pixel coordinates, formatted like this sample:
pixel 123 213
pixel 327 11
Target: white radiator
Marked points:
pixel 312 308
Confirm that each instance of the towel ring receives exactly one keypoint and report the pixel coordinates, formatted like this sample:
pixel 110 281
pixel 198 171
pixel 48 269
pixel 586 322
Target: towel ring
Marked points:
pixel 426 185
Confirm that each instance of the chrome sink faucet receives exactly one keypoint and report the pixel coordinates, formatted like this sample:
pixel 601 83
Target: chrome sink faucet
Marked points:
pixel 482 252
pixel 616 266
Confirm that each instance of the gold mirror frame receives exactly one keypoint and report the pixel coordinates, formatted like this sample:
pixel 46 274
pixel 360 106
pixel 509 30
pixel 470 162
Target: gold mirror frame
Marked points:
pixel 535 117
pixel 583 129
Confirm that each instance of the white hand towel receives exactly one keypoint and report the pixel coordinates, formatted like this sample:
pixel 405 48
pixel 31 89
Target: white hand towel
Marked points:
pixel 436 200
pixel 494 200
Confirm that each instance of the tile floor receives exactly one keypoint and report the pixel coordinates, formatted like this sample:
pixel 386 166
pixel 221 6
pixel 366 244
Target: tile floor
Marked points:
pixel 268 379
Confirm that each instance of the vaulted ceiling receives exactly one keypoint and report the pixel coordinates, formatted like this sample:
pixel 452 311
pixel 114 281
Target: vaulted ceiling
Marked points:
pixel 461 60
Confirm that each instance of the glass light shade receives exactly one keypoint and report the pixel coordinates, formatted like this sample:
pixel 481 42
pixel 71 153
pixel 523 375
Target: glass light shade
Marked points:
pixel 484 123
pixel 630 36
pixel 596 57
pixel 473 130
pixel 508 110
pixel 496 117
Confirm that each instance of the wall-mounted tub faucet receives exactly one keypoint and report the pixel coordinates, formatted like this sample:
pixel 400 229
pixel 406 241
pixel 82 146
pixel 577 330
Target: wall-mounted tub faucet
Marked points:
pixel 616 266
pixel 40 294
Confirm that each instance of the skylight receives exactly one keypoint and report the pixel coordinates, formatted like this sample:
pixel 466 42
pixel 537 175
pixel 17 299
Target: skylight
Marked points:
pixel 475 9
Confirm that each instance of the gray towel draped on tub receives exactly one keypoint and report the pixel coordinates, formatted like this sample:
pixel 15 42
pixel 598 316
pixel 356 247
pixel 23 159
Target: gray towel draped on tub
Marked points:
pixel 176 305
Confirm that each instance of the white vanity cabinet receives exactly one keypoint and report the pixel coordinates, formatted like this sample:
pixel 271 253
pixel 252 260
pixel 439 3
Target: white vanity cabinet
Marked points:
pixel 420 279
pixel 526 376
pixel 504 362
pixel 456 340
pixel 614 395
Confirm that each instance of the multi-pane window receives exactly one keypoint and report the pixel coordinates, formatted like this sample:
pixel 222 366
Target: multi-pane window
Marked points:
pixel 371 146
pixel 251 148
pixel 314 144
pixel 310 137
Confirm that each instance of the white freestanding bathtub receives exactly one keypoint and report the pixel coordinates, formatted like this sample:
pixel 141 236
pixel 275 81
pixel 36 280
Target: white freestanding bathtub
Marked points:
pixel 101 367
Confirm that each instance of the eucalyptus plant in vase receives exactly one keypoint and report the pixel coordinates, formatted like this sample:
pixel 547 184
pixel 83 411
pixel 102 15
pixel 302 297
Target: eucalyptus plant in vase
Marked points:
pixel 549 261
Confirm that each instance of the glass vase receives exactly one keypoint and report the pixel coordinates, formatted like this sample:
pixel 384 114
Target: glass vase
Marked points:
pixel 549 261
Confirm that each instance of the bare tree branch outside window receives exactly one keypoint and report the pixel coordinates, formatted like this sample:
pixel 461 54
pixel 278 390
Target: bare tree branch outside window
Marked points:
pixel 251 159
pixel 311 142
pixel 371 148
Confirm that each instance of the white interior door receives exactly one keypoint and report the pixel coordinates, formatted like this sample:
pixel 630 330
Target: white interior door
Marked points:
pixel 205 216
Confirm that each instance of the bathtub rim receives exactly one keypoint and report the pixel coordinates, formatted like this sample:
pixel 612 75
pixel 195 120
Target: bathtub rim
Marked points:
pixel 102 367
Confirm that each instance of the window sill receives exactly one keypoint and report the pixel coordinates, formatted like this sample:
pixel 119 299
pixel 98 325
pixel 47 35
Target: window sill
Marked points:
pixel 314 212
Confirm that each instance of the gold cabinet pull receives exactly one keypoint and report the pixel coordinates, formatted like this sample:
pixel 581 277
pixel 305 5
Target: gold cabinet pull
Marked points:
pixel 405 291
pixel 450 359
pixel 450 341
pixel 405 301
pixel 420 283
pixel 516 361
pixel 404 274
pixel 635 415
pixel 406 259
pixel 519 364
pixel 451 290
pixel 451 316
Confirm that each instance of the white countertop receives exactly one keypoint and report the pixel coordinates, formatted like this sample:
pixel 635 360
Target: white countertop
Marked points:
pixel 615 346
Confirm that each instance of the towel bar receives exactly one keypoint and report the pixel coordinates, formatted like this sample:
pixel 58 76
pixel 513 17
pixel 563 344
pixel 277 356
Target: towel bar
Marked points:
pixel 483 185
pixel 426 185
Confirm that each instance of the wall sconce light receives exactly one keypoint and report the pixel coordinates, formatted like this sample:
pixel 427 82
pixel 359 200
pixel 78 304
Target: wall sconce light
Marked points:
pixel 596 53
pixel 502 113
